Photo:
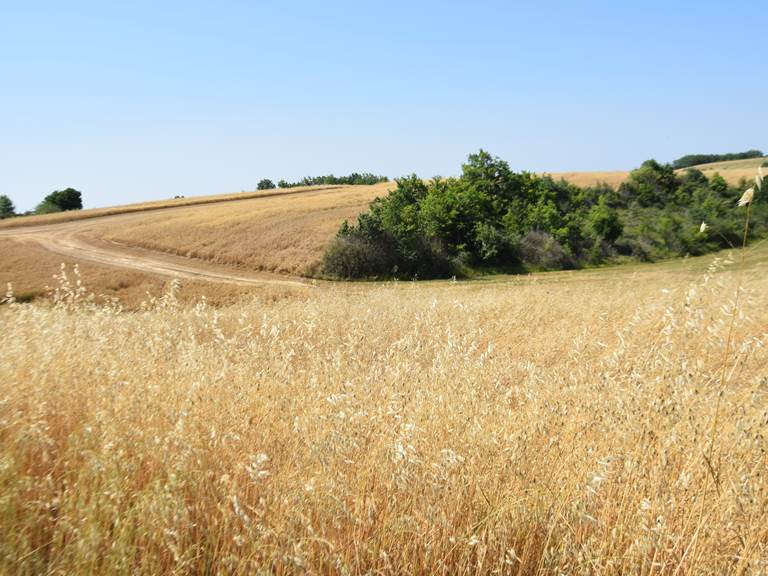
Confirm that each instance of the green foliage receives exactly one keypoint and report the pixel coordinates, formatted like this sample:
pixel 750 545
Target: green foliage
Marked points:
pixel 694 159
pixel 604 222
pixel 61 201
pixel 265 184
pixel 652 184
pixel 47 207
pixel 7 209
pixel 491 217
pixel 355 178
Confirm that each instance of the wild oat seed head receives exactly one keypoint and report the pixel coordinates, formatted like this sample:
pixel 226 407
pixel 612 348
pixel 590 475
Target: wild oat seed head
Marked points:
pixel 747 197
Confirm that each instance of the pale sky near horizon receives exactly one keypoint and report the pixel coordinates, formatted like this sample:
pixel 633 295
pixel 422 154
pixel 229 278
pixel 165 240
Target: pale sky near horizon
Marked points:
pixel 147 100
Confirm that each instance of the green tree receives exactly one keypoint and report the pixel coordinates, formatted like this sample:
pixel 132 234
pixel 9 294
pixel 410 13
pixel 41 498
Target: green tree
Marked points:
pixel 652 184
pixel 265 184
pixel 7 209
pixel 61 201
pixel 47 207
pixel 718 184
pixel 605 222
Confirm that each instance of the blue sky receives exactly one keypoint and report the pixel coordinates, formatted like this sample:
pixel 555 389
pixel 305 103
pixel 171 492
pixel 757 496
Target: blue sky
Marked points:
pixel 147 100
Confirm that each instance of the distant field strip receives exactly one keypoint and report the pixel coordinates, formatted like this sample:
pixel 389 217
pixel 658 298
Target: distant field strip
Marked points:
pixel 70 216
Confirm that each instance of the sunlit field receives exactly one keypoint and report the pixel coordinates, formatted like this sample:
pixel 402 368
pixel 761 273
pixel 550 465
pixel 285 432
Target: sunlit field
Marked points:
pixel 149 206
pixel 606 422
pixel 285 233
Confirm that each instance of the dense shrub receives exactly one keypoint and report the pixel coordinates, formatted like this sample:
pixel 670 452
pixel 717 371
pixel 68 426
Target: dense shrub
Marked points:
pixel 542 250
pixel 492 217
pixel 354 257
pixel 46 207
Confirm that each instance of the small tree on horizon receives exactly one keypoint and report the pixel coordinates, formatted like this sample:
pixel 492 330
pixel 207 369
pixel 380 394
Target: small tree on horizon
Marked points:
pixel 61 201
pixel 7 209
pixel 265 184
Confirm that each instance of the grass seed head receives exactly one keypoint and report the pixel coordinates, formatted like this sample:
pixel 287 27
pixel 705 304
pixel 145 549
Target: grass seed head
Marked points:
pixel 747 197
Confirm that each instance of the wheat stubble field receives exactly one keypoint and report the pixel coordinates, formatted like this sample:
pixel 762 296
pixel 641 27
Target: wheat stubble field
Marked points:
pixel 601 422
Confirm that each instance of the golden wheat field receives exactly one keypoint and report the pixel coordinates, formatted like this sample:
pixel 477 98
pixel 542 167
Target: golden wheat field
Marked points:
pixel 605 421
pixel 32 271
pixel 57 218
pixel 283 233
pixel 609 422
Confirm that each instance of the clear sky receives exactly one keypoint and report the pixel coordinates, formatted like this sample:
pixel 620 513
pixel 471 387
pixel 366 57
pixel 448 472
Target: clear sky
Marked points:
pixel 138 100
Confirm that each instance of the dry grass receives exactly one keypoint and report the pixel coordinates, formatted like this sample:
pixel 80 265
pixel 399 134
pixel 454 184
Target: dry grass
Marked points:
pixel 285 234
pixel 71 216
pixel 531 427
pixel 32 269
pixel 584 179
pixel 734 171
pixel 748 164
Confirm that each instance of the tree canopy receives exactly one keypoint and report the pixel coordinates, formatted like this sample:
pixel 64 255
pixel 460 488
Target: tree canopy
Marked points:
pixel 265 184
pixel 61 201
pixel 492 218
pixel 7 209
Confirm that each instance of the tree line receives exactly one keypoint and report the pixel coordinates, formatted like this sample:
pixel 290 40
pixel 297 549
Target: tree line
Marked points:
pixel 56 201
pixel 365 178
pixel 695 159
pixel 493 219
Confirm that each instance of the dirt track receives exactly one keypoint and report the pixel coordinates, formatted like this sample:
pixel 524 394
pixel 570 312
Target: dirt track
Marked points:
pixel 71 239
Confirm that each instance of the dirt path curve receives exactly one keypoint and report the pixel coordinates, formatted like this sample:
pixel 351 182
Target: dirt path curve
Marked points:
pixel 70 239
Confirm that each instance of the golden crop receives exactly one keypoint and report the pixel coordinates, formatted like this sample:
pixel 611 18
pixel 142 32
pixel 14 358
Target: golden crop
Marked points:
pixel 556 424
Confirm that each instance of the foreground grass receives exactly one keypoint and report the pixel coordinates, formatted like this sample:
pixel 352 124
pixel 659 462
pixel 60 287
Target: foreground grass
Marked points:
pixel 564 427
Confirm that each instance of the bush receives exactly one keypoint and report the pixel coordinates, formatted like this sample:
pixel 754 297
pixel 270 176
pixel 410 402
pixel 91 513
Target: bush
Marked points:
pixel 7 209
pixel 47 207
pixel 491 242
pixel 265 184
pixel 352 257
pixel 604 222
pixel 542 250
pixel 491 216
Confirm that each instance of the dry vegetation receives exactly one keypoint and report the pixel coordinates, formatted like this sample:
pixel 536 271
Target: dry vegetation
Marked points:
pixel 60 217
pixel 284 233
pixel 596 422
pixel 584 179
pixel 591 423
pixel 31 270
